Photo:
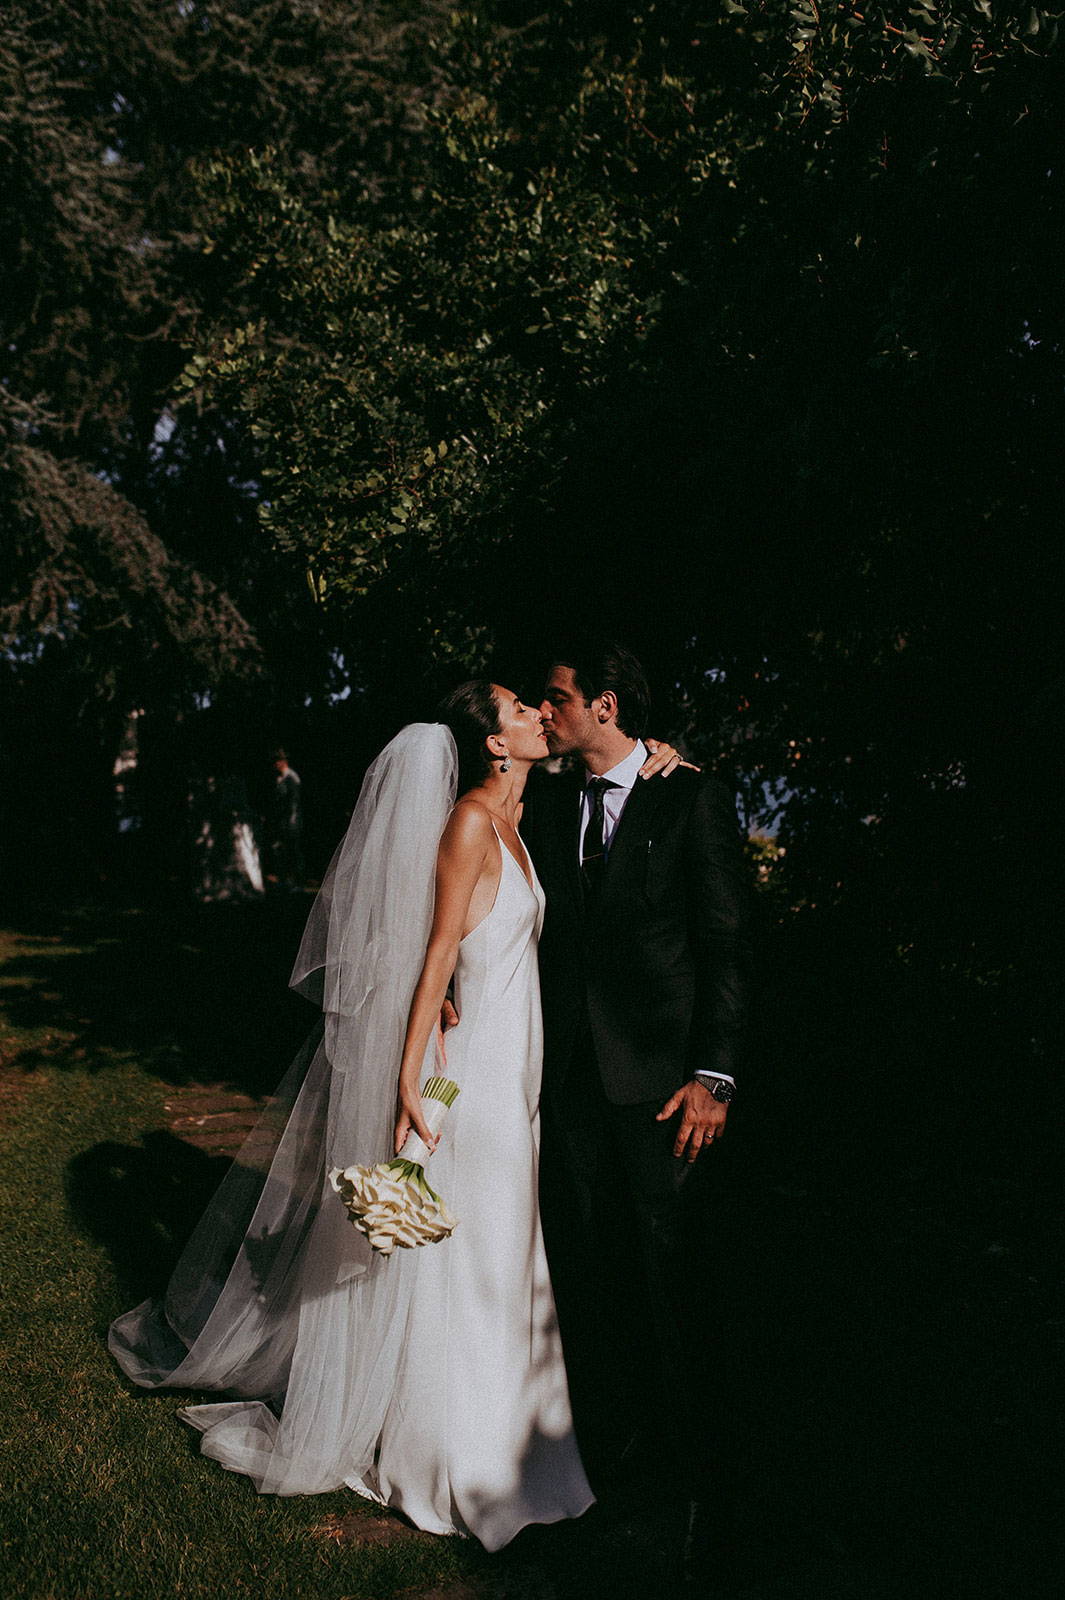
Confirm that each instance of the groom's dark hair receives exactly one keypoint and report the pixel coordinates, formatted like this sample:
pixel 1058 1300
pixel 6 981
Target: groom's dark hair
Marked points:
pixel 601 664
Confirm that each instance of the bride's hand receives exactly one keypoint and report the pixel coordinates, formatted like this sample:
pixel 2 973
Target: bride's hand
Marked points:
pixel 410 1116
pixel 663 759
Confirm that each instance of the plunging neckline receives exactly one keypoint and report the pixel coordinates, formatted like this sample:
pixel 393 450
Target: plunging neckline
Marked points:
pixel 508 851
pixel 529 884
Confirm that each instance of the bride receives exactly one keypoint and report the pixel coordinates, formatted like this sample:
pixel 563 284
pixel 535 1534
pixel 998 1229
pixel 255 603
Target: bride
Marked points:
pixel 432 1380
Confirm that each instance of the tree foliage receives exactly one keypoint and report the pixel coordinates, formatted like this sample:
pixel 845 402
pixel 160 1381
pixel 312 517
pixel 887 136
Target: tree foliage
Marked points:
pixel 104 109
pixel 727 284
pixel 134 573
pixel 734 329
pixel 820 199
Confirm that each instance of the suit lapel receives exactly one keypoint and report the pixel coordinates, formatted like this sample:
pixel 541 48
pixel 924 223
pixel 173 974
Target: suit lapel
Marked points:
pixel 628 848
pixel 569 836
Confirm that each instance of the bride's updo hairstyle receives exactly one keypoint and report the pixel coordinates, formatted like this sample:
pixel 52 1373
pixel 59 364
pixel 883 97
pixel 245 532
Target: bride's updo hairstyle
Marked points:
pixel 472 714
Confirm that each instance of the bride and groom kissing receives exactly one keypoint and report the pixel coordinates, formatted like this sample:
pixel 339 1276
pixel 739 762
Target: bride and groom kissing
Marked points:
pixel 597 957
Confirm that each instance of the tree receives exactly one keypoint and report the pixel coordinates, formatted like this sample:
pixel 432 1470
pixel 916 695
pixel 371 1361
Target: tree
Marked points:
pixel 741 334
pixel 134 573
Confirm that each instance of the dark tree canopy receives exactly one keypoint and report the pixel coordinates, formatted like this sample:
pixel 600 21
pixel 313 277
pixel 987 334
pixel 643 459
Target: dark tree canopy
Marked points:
pixel 394 340
pixel 741 332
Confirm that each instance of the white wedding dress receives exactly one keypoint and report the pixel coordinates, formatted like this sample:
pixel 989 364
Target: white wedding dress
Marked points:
pixel 478 1435
pixel 431 1381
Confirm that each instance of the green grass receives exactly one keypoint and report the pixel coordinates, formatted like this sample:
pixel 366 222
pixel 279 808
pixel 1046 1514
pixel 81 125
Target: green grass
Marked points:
pixel 107 1495
pixel 886 1342
pixel 104 1494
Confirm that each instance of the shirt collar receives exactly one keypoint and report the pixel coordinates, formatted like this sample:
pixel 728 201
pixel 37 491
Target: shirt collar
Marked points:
pixel 624 775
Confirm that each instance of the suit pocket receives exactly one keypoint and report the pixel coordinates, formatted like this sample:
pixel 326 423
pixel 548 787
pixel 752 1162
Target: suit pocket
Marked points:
pixel 655 871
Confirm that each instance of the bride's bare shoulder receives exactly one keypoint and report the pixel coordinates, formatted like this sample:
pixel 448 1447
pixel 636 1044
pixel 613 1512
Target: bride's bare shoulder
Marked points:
pixel 469 825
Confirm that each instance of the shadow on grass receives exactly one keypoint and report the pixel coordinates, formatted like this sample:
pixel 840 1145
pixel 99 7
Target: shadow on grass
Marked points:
pixel 142 1204
pixel 871 1440
pixel 194 993
pixel 876 1281
pixel 887 1397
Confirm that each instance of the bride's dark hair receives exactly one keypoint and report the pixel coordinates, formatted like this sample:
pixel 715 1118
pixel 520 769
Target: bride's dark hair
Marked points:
pixel 472 714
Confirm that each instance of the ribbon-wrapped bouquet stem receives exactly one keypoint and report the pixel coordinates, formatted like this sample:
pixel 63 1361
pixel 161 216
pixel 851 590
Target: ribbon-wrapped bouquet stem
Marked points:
pixel 391 1202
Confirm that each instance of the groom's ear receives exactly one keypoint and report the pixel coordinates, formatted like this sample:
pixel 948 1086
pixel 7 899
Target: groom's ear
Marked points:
pixel 608 706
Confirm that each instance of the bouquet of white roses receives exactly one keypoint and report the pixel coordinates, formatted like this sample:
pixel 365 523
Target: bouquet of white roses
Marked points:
pixel 391 1202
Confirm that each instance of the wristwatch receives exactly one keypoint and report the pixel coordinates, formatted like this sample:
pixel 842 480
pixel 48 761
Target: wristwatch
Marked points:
pixel 720 1088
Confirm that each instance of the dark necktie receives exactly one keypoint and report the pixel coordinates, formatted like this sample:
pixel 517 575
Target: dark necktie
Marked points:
pixel 592 852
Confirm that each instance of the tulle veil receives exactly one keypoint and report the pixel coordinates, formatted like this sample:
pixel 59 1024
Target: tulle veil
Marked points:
pixel 277 1299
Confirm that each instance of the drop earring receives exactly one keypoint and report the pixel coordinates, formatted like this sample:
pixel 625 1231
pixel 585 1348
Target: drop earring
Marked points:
pixel 504 765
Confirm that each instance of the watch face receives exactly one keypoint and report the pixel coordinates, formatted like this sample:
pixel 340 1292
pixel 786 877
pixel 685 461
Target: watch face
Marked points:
pixel 723 1092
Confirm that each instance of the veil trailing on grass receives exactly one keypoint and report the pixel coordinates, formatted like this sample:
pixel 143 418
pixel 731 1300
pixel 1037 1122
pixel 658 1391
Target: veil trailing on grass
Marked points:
pixel 277 1298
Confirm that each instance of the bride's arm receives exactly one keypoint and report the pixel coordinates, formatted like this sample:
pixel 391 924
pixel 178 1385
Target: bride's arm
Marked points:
pixel 663 758
pixel 463 857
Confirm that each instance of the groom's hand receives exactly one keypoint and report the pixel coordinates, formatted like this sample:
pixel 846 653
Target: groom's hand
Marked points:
pixel 702 1119
pixel 448 1015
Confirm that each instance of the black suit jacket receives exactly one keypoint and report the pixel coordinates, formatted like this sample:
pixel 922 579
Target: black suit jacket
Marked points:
pixel 657 964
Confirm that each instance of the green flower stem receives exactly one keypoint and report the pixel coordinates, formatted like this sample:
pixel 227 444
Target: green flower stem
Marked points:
pixel 443 1089
pixel 411 1172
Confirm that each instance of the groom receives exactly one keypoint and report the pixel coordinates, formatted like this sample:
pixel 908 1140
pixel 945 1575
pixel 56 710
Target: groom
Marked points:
pixel 642 962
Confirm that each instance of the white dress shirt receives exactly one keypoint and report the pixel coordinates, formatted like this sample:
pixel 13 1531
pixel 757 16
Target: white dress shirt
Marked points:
pixel 624 778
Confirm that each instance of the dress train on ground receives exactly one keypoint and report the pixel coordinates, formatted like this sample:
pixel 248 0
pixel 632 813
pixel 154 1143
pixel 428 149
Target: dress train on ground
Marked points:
pixel 432 1381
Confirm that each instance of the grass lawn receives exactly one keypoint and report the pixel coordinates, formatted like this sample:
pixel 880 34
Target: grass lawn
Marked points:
pixel 107 1495
pixel 886 1344
pixel 105 1016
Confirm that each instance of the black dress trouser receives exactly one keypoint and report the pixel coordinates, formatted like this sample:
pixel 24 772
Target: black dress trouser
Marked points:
pixel 625 1228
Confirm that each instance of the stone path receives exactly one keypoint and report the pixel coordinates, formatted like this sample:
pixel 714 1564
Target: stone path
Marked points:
pixel 212 1116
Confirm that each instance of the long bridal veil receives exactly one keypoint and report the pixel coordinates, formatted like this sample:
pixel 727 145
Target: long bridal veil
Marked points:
pixel 276 1298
